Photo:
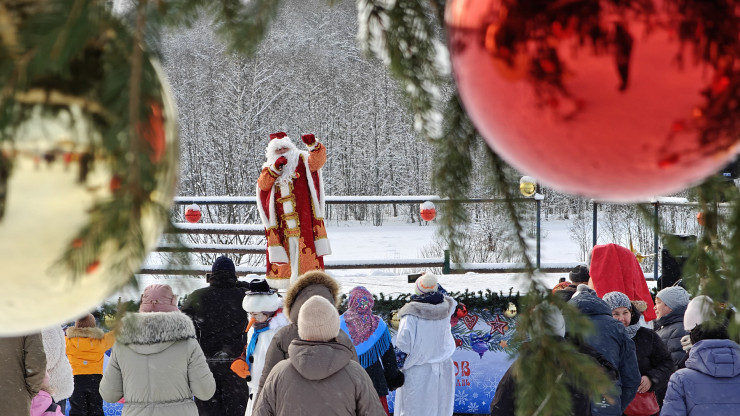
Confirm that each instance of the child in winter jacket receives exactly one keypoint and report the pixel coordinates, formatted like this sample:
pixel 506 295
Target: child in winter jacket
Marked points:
pixel 43 404
pixel 265 308
pixel 86 346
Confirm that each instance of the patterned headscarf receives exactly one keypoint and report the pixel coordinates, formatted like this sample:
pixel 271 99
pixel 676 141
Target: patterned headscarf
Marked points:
pixel 359 317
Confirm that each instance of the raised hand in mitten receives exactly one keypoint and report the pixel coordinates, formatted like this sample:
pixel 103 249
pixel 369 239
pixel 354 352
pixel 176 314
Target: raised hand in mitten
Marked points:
pixel 309 139
pixel 277 167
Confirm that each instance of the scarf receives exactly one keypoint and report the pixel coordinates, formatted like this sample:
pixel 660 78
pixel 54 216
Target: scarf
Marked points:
pixel 359 318
pixel 434 298
pixel 632 329
pixel 374 346
pixel 253 343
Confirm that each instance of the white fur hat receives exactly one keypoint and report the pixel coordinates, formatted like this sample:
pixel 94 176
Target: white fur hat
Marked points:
pixel 698 311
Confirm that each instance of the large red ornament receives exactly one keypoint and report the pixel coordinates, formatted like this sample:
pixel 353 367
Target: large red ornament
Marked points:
pixel 192 213
pixel 614 100
pixel 428 211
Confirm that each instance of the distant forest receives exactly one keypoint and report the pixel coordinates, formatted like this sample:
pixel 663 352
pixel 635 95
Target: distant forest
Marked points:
pixel 309 76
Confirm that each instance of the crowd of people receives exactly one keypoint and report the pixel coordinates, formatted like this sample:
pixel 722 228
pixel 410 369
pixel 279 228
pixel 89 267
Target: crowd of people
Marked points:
pixel 236 348
pixel 683 362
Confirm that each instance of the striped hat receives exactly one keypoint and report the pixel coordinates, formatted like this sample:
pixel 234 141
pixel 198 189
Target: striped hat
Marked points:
pixel 426 283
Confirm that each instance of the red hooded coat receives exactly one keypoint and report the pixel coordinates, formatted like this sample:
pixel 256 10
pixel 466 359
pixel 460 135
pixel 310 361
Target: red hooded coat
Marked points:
pixel 615 268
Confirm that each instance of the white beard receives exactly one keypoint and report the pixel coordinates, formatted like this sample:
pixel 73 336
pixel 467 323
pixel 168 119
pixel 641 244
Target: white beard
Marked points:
pixel 286 175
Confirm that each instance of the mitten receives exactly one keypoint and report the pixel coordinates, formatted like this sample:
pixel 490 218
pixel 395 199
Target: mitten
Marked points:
pixel 277 167
pixel 686 342
pixel 396 381
pixel 309 140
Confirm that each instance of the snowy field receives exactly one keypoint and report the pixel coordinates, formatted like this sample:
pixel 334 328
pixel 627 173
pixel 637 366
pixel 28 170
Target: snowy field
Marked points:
pixel 393 241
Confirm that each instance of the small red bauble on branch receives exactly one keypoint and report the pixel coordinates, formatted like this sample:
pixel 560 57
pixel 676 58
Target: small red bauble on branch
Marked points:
pixel 192 213
pixel 617 101
pixel 700 219
pixel 428 211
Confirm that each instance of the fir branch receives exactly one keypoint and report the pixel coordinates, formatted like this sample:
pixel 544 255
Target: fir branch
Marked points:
pixel 548 365
pixel 242 25
pixel 403 36
pixel 452 174
pixel 501 184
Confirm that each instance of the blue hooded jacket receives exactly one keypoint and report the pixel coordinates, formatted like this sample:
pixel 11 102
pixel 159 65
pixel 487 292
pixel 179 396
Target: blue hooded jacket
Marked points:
pixel 611 341
pixel 710 383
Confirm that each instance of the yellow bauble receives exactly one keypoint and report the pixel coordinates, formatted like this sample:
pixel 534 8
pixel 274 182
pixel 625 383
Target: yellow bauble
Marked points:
pixel 527 186
pixel 47 205
pixel 395 320
pixel 510 311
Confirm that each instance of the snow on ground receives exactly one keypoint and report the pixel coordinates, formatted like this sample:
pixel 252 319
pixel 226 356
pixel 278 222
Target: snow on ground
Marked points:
pixel 399 240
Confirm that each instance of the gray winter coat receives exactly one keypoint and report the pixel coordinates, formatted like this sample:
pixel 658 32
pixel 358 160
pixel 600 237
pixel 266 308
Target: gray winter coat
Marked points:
pixel 157 366
pixel 670 329
pixel 319 378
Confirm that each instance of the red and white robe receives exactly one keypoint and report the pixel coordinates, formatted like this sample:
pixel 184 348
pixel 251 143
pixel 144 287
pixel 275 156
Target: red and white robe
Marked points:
pixel 293 216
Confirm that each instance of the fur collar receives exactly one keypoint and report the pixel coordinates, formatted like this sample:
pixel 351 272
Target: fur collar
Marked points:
pixel 145 328
pixel 74 332
pixel 310 278
pixel 428 311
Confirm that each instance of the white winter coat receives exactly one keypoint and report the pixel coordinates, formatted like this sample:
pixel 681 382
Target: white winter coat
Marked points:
pixel 425 334
pixel 61 380
pixel 158 366
pixel 260 350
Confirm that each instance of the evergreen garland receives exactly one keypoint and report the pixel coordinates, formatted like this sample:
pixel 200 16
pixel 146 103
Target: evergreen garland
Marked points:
pixel 385 306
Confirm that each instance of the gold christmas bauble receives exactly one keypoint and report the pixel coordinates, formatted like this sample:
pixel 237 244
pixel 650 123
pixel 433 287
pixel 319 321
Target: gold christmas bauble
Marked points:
pixel 60 175
pixel 510 311
pixel 395 320
pixel 527 186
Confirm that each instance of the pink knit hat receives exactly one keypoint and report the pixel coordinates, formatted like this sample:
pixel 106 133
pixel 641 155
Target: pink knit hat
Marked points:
pixel 158 298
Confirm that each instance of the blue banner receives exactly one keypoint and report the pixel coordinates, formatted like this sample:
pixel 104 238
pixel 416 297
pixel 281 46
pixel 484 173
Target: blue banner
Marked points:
pixel 482 356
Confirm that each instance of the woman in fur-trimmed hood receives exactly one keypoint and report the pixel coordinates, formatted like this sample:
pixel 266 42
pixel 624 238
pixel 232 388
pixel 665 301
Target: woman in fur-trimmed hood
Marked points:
pixel 157 365
pixel 309 284
pixel 425 335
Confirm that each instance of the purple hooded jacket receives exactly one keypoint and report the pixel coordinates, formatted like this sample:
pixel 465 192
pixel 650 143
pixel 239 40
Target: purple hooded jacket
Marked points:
pixel 710 383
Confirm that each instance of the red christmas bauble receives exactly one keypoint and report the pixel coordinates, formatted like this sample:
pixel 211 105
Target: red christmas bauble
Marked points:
pixel 192 213
pixel 700 218
pixel 428 211
pixel 617 101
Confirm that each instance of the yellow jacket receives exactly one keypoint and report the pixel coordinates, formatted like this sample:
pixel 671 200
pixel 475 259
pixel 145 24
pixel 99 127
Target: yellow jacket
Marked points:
pixel 86 348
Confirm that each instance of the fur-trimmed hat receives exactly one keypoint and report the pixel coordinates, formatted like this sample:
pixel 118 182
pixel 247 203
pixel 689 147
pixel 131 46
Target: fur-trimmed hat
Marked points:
pixel 579 274
pixel 674 297
pixel 158 298
pixel 315 282
pixel 426 283
pixel 261 298
pixel 87 321
pixel 318 320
